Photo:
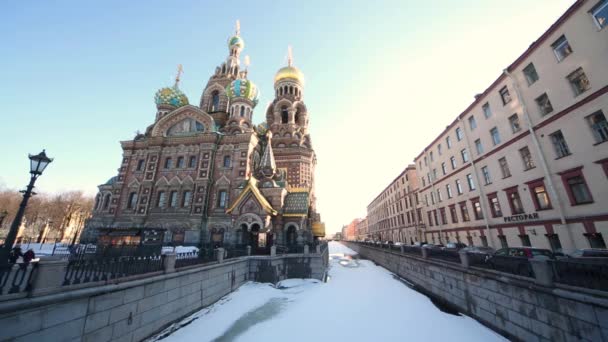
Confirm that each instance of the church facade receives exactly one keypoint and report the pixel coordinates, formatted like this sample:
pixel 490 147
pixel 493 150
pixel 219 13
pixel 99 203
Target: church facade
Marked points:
pixel 207 175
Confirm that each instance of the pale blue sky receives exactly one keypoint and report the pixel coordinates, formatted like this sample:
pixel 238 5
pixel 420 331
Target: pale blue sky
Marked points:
pixel 381 76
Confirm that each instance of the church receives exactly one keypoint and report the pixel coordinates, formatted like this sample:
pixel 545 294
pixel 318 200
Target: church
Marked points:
pixel 207 174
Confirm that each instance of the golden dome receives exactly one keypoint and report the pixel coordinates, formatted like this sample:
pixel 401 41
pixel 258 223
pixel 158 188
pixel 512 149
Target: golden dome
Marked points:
pixel 289 72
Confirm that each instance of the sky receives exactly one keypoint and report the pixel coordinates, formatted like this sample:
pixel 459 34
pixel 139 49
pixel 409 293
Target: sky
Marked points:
pixel 383 78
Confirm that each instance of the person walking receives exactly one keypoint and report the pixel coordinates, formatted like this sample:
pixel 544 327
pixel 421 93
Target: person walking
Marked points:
pixel 15 254
pixel 28 256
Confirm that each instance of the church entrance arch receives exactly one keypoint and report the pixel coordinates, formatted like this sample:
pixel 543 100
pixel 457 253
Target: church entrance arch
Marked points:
pixel 291 237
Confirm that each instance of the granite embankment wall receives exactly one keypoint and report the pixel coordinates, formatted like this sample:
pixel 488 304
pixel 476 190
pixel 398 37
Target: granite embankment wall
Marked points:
pixel 517 307
pixel 135 309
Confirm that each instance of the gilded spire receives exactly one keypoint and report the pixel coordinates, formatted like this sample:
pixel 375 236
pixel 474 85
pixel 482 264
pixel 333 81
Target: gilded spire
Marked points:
pixel 289 56
pixel 180 70
pixel 237 28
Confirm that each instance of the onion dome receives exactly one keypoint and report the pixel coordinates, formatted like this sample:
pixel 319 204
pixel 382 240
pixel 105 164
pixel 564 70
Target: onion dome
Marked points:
pixel 236 41
pixel 289 72
pixel 243 88
pixel 170 96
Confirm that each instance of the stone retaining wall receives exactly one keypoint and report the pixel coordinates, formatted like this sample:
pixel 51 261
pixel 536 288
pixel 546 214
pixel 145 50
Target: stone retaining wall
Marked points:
pixel 134 310
pixel 514 306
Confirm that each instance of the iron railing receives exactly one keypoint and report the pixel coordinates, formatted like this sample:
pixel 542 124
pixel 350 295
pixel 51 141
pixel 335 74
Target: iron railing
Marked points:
pixel 15 278
pixel 510 264
pixel 591 273
pixel 451 256
pixel 415 250
pixel 203 256
pixel 84 270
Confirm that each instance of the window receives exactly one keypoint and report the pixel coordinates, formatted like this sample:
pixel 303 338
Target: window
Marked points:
pixel 526 158
pixel 168 163
pixel 221 199
pixel 192 162
pixel 459 135
pixel 561 48
pixel 495 136
pixel 443 169
pixel 559 144
pixel 186 199
pixel 514 123
pixel 448 190
pixel 465 156
pixel 173 199
pixel 453 214
pixel 453 162
pixel 514 201
pixel 439 149
pixel 596 240
pixel 576 187
pixel 432 198
pixel 544 104
pixel 477 209
pixel 472 123
pixel 428 216
pixel 600 14
pixel 504 167
pixel 486 175
pixel 478 147
pixel 579 81
pixel 539 194
pixel 215 101
pixel 160 203
pixel 132 200
pixel 487 112
pixel 448 142
pixel 525 240
pixel 599 126
pixel 464 211
pixel 504 95
pixel 530 73
pixel 439 197
pixel 470 182
pixel 284 115
pixel 434 174
pixel 431 155
pixel 242 111
pixel 444 217
pixel 554 242
pixel 458 187
pixel 503 241
pixel 180 162
pixel 226 161
pixel 494 205
pixel 140 165
pixel 425 161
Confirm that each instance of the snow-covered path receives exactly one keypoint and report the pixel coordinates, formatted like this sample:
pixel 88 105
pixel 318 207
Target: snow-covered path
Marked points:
pixel 360 302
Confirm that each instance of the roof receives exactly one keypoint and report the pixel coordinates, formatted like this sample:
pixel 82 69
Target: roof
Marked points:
pixel 252 188
pixel 296 204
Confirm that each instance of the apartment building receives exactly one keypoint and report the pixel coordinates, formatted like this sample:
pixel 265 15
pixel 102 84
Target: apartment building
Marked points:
pixel 527 162
pixel 395 214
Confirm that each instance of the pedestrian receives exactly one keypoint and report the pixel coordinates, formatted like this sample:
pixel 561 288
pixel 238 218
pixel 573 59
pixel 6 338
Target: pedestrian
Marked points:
pixel 15 254
pixel 28 256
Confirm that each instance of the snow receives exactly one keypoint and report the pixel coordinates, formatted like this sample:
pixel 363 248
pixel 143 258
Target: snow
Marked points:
pixel 360 302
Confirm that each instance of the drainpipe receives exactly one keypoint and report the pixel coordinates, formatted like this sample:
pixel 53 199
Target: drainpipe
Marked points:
pixel 482 195
pixel 550 186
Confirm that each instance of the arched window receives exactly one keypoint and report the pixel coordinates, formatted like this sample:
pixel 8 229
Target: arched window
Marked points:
pixel 290 89
pixel 132 200
pixel 106 201
pixel 215 101
pixel 284 115
pixel 223 69
pixel 242 111
pixel 97 201
pixel 187 126
pixel 226 161
pixel 232 111
pixel 280 91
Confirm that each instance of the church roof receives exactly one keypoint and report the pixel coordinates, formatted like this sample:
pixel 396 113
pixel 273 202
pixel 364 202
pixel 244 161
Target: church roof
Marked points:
pixel 252 187
pixel 296 204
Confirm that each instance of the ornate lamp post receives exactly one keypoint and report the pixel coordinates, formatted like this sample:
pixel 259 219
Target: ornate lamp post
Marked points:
pixel 37 165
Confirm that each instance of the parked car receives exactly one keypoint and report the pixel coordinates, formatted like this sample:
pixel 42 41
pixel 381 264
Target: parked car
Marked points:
pixel 525 252
pixel 454 246
pixel 399 243
pixel 479 250
pixel 432 246
pixel 590 253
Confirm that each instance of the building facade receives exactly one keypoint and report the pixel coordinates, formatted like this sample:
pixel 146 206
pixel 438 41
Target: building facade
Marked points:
pixel 526 164
pixel 395 214
pixel 207 174
pixel 361 230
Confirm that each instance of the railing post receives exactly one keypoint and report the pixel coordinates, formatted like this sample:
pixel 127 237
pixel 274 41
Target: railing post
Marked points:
pixel 425 253
pixel 306 250
pixel 319 249
pixel 401 248
pixel 543 272
pixel 220 255
pixel 169 262
pixel 464 258
pixel 248 248
pixel 273 250
pixel 49 274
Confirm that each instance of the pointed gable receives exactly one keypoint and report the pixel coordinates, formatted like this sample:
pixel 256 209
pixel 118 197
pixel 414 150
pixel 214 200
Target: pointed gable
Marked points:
pixel 252 189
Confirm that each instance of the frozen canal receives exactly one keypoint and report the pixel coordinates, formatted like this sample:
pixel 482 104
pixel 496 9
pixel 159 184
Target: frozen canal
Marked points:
pixel 360 302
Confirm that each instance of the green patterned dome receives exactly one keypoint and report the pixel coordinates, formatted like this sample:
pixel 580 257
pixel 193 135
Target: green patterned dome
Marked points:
pixel 243 88
pixel 236 41
pixel 170 96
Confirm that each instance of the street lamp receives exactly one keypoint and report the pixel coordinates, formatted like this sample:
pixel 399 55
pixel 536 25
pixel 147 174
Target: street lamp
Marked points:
pixel 38 163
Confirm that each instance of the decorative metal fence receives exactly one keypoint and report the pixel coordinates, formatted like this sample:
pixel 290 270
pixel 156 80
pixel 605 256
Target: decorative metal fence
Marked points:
pixel 590 273
pixel 451 256
pixel 414 250
pixel 203 256
pixel 15 278
pixel 509 264
pixel 84 270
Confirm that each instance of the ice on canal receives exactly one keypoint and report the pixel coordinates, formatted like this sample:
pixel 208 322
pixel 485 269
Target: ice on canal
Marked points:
pixel 360 302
